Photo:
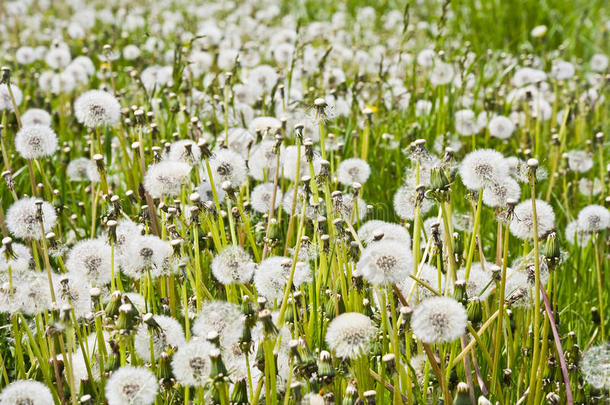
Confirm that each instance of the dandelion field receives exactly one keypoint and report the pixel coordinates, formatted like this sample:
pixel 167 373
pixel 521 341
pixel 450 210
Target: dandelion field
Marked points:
pixel 386 202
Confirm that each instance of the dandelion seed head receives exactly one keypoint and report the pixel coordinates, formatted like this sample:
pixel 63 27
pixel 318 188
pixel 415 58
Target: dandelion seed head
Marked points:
pixel 166 178
pixel 405 200
pixel 350 334
pixel 91 258
pixel 439 320
pixel 36 141
pixel 483 167
pixel 206 194
pixel 427 274
pixel 595 366
pixel 233 265
pixel 97 108
pixel 580 161
pixel 442 73
pixel 75 290
pixel 599 62
pixel 26 392
pixel 227 165
pixel 5 97
pixel 577 236
pixel 22 218
pixel 19 261
pixel 349 208
pixel 497 194
pixel 36 116
pixel 222 317
pixel 144 255
pixel 290 160
pixel 593 218
pixel 522 223
pixel 82 169
pixel 466 123
pixel 263 161
pixel 131 385
pixel 191 363
pixel 262 195
pixel 372 229
pixel 353 170
pixel 385 262
pixel 479 279
pixel 170 334
pixel 179 152
pixel 501 127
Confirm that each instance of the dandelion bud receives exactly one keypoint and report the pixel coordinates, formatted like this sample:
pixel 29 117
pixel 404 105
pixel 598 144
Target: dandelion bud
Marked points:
pixel 164 369
pixel 462 396
pixel 239 395
pixel 552 398
pixel 474 310
pixel 296 390
pixel 595 317
pixel 218 370
pixel 459 292
pixel 326 371
pixel 370 397
pixel 268 326
pixel 351 394
pixel 389 360
pixel 112 308
pixel 127 318
pixel 483 401
pixel 507 376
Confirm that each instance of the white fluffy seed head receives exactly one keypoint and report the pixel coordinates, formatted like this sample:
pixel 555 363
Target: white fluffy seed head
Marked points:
pixel 466 123
pixel 131 385
pixel 222 317
pixel 36 116
pixel 429 275
pixel 166 178
pixel 97 108
pixel 263 160
pixel 404 202
pixel 374 230
pixel 483 167
pixel 262 195
pixel 227 165
pixel 233 265
pixel 170 334
pixel 350 334
pixel 593 218
pixel 479 280
pixel 385 262
pixel 575 235
pixel 522 224
pixel 36 141
pixel 75 290
pixel 179 152
pixel 26 392
pixel 19 261
pixel 191 363
pixel 353 170
pixel 206 194
pixel 5 97
pixel 144 255
pixel 498 194
pixel 290 161
pixel 438 320
pixel 22 218
pixel 501 127
pixel 595 366
pixel 91 259
pixel 579 161
pixel 83 169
